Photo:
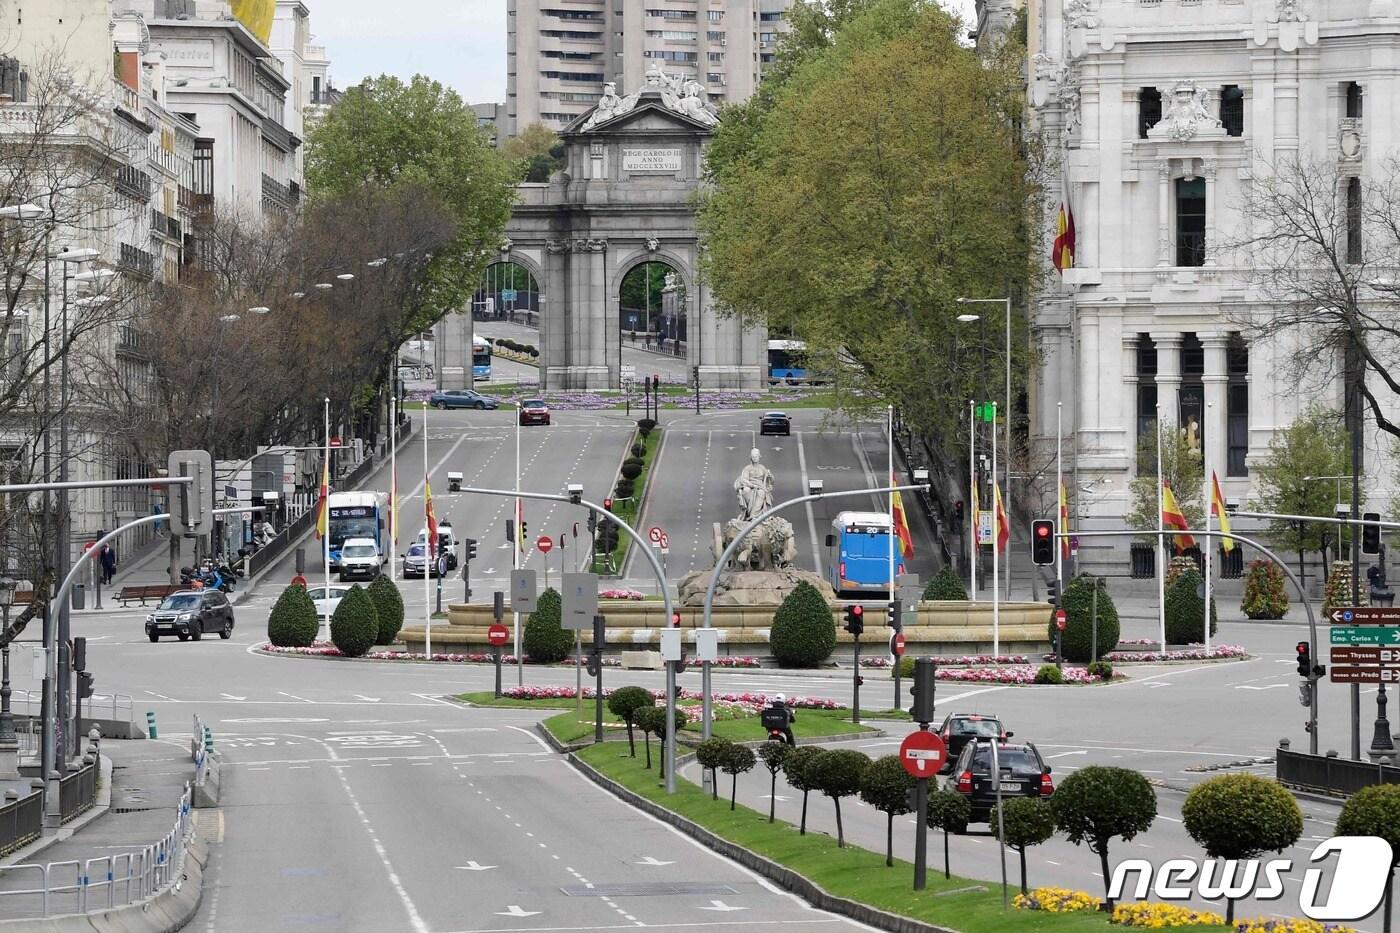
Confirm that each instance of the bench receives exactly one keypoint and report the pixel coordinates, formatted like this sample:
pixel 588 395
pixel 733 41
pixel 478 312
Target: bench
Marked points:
pixel 143 593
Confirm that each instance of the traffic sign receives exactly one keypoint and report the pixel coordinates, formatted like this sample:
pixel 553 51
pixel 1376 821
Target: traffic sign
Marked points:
pixel 88 549
pixel 922 753
pixel 1365 654
pixel 544 543
pixel 335 442
pixel 1365 675
pixel 1365 636
pixel 497 635
pixel 1060 618
pixel 654 533
pixel 665 542
pixel 523 590
pixel 298 580
pixel 580 598
pixel 230 492
pixel 897 644
pixel 1361 615
pixel 508 294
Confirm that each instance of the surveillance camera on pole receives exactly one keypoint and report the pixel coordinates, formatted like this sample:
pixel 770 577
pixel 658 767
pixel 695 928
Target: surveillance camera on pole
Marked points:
pixel 575 491
pixel 815 487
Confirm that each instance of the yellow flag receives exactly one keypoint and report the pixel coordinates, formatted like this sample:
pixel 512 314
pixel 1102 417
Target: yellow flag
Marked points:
pixel 256 15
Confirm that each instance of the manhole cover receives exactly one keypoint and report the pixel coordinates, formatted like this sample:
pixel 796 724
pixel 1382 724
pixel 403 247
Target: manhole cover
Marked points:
pixel 647 889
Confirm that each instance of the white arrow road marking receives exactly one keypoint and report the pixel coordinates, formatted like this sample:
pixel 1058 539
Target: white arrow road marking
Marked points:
pixel 1064 754
pixel 653 861
pixel 721 906
pixel 293 696
pixel 771 797
pixel 506 545
pixel 475 866
pixel 230 696
pixel 1159 683
pixel 491 569
pixel 1265 687
pixel 515 911
pixel 359 696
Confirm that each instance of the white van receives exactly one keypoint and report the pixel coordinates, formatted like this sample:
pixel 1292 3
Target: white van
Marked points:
pixel 359 559
pixel 447 542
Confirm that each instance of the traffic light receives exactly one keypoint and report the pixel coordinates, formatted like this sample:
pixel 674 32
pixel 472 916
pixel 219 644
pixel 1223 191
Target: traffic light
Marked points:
pixel 86 684
pixel 524 529
pixel 925 685
pixel 79 653
pixel 1371 533
pixel 855 620
pixel 594 663
pixel 894 615
pixel 471 548
pixel 607 504
pixel 1043 542
pixel 958 512
pixel 1052 591
pixel 592 522
pixel 510 531
pixel 1304 660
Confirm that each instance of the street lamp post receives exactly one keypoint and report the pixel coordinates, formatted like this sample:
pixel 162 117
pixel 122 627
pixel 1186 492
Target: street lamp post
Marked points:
pixel 1007 494
pixel 9 744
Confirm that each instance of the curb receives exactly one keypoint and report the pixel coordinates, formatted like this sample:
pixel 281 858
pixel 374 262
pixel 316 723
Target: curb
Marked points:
pixel 689 741
pixel 785 878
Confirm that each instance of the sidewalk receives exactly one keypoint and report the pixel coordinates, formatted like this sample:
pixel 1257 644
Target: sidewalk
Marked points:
pixel 147 780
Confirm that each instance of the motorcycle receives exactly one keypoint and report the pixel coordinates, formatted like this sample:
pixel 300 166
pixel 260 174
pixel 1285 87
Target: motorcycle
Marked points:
pixel 776 720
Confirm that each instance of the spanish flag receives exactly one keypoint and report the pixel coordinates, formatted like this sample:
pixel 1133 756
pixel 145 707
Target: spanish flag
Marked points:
pixel 1064 521
pixel 1062 253
pixel 520 524
pixel 323 501
pixel 430 518
pixel 1173 517
pixel 901 523
pixel 1217 508
pixel 976 518
pixel 1003 534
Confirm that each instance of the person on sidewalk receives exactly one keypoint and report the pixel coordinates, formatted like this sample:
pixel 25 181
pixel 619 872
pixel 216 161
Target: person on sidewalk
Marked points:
pixel 108 559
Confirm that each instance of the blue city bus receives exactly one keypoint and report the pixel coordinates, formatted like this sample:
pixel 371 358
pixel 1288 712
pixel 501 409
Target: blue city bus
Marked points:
pixel 481 357
pixel 356 515
pixel 858 553
pixel 785 362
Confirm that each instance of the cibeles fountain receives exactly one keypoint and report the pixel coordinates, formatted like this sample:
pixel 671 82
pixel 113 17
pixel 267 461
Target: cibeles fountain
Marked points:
pixel 761 571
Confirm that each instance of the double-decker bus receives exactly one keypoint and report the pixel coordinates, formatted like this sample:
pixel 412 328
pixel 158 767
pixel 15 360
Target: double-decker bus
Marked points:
pixel 481 357
pixel 858 553
pixel 356 515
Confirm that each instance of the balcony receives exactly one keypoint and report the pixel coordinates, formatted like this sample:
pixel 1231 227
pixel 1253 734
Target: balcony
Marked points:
pixel 276 194
pixel 130 341
pixel 165 225
pixel 134 183
pixel 136 262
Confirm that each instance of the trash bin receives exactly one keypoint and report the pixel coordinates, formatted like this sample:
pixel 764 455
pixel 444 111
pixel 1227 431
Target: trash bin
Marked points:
pixel 79 596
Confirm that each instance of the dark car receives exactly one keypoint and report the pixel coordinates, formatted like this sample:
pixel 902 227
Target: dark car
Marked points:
pixel 960 728
pixel 191 614
pixel 775 422
pixel 415 562
pixel 534 411
pixel 1023 774
pixel 463 398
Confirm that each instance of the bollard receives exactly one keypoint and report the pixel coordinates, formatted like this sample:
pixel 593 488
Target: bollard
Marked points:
pixel 150 723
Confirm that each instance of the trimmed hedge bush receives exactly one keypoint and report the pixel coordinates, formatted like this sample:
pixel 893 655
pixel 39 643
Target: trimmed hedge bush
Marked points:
pixel 646 425
pixel 1097 804
pixel 631 469
pixel 1186 610
pixel 1078 637
pixel 292 622
pixel 388 608
pixel 1241 816
pixel 624 488
pixel 639 450
pixel 804 632
pixel 1049 674
pixel 354 625
pixel 1100 669
pixel 946 585
pixel 545 640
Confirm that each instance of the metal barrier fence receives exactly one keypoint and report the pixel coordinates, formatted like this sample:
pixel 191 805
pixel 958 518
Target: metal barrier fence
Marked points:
pixel 1329 774
pixel 114 706
pixel 21 821
pixel 80 886
pixel 78 791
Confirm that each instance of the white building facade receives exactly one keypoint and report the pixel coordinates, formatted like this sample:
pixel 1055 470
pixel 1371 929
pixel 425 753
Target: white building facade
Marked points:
pixel 1160 115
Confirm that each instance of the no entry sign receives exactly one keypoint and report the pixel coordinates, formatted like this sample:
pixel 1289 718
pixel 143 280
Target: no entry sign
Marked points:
pixel 897 644
pixel 1060 618
pixel 497 635
pixel 922 753
pixel 544 543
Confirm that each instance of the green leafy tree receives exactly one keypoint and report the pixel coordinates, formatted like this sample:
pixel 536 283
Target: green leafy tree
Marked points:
pixel 1186 611
pixel 709 755
pixel 545 640
pixel 774 756
pixel 804 631
pixel 1315 444
pixel 837 774
pixel 293 622
pixel 1265 591
pixel 537 151
pixel 354 625
pixel 1027 821
pixel 797 771
pixel 624 703
pixel 1097 804
pixel 385 133
pixel 946 584
pixel 1241 816
pixel 1375 811
pixel 1082 636
pixel 736 760
pixel 885 785
pixel 651 720
pixel 949 811
pixel 388 608
pixel 1181 470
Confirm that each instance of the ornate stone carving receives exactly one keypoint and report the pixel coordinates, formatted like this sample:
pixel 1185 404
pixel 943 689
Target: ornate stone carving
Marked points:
pixel 1067 93
pixel 557 246
pixel 506 245
pixel 1349 139
pixel 677 93
pixel 609 106
pixel 1288 11
pixel 1079 14
pixel 653 244
pixel 1187 115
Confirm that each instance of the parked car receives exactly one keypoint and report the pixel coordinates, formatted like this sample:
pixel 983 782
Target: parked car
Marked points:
pixel 463 398
pixel 414 561
pixel 359 559
pixel 775 422
pixel 960 728
pixel 190 614
pixel 534 411
pixel 327 599
pixel 1023 773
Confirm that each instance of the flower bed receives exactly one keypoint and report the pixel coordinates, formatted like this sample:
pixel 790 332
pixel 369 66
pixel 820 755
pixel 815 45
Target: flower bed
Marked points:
pixel 1194 653
pixel 1144 914
pixel 749 702
pixel 620 594
pixel 962 660
pixel 1057 900
pixel 324 649
pixel 1156 916
pixel 1017 674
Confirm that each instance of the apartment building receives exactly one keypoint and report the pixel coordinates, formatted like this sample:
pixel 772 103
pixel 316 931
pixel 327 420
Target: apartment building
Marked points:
pixel 559 54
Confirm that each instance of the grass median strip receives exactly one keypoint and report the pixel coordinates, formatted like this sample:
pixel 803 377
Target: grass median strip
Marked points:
pixel 626 509
pixel 853 873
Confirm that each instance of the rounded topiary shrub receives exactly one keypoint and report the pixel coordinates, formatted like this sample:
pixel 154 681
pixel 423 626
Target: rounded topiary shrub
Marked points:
pixel 545 640
pixel 624 488
pixel 1049 674
pixel 631 469
pixel 1241 816
pixel 804 632
pixel 639 450
pixel 946 585
pixel 388 608
pixel 292 622
pixel 646 425
pixel 1373 811
pixel 1077 640
pixel 354 626
pixel 1186 610
pixel 1265 595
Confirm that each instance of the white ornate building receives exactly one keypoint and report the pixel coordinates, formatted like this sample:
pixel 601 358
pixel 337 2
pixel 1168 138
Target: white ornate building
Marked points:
pixel 1162 113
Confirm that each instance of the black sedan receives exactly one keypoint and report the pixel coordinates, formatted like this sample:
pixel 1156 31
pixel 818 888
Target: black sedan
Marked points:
pixel 534 411
pixel 775 422
pixel 960 728
pixel 463 398
pixel 1022 772
pixel 190 614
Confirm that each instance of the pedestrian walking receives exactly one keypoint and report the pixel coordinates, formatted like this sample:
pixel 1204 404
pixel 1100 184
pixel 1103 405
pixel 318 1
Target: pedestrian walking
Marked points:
pixel 108 559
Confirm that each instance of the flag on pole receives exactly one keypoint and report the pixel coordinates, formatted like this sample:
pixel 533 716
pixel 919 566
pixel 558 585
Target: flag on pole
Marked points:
pixel 1174 517
pixel 976 517
pixel 1003 534
pixel 431 518
pixel 1217 508
pixel 520 523
pixel 901 524
pixel 1064 520
pixel 323 501
pixel 1062 253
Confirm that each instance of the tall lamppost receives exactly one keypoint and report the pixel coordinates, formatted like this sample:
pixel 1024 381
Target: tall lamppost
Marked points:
pixel 972 491
pixel 9 744
pixel 1006 494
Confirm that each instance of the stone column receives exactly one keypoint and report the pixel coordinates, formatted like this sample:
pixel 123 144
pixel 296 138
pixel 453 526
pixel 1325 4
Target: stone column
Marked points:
pixel 556 325
pixel 1215 377
pixel 1164 233
pixel 1088 371
pixel 605 361
pixel 1168 375
pixel 1129 400
pixel 1211 211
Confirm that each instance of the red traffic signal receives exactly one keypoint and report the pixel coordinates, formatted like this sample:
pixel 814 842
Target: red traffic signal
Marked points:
pixel 1304 659
pixel 607 504
pixel 675 620
pixel 857 611
pixel 1043 542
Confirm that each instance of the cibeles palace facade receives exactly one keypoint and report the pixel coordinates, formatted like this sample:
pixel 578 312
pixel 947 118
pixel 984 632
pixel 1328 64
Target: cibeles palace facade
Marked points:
pixel 1160 114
